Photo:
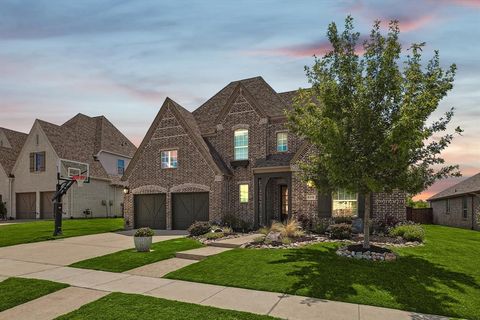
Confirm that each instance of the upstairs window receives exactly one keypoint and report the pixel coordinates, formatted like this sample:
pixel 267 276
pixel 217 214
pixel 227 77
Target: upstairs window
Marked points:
pixel 169 159
pixel 464 207
pixel 243 190
pixel 282 141
pixel 37 161
pixel 120 166
pixel 241 144
pixel 344 203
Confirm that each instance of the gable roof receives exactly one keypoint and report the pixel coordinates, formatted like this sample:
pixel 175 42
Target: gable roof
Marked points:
pixel 190 125
pixel 470 185
pixel 269 101
pixel 82 137
pixel 8 156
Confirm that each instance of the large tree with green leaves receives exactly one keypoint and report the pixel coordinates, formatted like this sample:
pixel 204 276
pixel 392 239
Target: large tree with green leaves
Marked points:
pixel 369 116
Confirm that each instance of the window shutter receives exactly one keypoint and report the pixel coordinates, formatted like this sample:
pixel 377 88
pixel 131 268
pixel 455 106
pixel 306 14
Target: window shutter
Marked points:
pixel 42 163
pixel 324 205
pixel 32 162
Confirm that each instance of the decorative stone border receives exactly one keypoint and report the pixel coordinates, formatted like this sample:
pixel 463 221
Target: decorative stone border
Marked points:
pixel 368 255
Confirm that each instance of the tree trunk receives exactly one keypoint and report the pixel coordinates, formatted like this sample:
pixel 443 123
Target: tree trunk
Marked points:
pixel 366 222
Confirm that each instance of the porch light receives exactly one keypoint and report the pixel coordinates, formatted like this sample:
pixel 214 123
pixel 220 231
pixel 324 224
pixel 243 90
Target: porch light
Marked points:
pixel 310 184
pixel 126 190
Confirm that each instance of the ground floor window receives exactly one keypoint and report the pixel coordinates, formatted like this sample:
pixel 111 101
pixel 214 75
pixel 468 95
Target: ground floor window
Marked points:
pixel 344 203
pixel 465 207
pixel 243 189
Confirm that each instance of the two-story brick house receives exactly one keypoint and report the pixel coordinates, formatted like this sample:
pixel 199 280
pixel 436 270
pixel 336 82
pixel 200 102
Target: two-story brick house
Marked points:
pixel 234 156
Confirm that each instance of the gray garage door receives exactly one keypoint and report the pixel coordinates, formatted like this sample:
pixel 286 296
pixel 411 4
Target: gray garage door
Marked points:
pixel 46 205
pixel 150 211
pixel 188 208
pixel 26 205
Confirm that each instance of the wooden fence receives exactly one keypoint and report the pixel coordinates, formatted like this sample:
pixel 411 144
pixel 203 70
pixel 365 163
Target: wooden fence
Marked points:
pixel 420 215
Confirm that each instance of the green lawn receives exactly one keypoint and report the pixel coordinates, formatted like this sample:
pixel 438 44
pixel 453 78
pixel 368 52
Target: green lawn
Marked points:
pixel 131 306
pixel 129 259
pixel 442 277
pixel 35 231
pixel 15 291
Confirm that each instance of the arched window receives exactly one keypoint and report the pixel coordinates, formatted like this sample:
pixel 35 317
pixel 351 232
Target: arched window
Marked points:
pixel 240 151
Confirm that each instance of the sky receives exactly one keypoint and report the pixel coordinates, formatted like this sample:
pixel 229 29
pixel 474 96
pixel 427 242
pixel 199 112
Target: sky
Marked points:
pixel 122 58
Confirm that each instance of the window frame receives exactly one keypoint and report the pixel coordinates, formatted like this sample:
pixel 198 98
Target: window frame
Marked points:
pixel 345 193
pixel 37 165
pixel 447 206
pixel 465 208
pixel 122 167
pixel 278 134
pixel 240 147
pixel 243 200
pixel 170 164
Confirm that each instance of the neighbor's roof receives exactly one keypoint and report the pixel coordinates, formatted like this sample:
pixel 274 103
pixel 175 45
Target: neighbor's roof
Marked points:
pixel 269 102
pixel 470 185
pixel 82 137
pixel 8 156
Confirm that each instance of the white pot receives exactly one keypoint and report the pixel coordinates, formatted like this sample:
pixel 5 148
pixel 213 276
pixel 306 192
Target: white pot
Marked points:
pixel 142 244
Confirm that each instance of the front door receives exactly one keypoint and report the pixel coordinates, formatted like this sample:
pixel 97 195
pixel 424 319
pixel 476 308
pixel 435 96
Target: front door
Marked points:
pixel 283 203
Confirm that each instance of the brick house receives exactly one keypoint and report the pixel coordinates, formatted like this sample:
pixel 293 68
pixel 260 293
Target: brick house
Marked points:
pixel 458 205
pixel 11 143
pixel 233 156
pixel 92 140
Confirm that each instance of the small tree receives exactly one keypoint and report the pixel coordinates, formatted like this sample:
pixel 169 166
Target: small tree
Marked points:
pixel 3 211
pixel 367 116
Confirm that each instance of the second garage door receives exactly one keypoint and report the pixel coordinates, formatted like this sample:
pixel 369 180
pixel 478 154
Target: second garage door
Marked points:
pixel 150 211
pixel 26 204
pixel 188 208
pixel 46 205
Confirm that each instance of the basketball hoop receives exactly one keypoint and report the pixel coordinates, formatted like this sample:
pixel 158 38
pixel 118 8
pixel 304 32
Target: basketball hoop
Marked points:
pixel 79 179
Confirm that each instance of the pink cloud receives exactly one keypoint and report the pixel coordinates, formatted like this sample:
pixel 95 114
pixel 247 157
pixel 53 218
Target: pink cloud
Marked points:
pixel 412 24
pixel 464 3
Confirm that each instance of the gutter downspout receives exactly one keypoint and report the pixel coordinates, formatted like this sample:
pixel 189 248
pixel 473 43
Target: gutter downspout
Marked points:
pixel 10 194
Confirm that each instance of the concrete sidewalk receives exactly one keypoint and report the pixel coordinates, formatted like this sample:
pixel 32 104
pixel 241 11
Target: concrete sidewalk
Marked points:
pixel 254 301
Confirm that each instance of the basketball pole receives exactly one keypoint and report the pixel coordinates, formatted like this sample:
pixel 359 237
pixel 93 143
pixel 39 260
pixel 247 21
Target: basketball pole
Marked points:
pixel 62 189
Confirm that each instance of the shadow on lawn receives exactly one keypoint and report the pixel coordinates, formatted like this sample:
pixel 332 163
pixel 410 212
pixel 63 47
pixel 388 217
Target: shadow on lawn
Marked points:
pixel 411 283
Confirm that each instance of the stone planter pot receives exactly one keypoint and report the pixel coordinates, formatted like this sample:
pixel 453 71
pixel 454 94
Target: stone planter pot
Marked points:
pixel 143 244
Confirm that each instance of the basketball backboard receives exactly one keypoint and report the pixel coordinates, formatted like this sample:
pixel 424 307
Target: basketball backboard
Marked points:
pixel 73 170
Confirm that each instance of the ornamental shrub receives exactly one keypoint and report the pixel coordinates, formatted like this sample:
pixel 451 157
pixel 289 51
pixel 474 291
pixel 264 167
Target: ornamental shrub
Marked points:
pixel 340 231
pixel 199 228
pixel 409 232
pixel 144 232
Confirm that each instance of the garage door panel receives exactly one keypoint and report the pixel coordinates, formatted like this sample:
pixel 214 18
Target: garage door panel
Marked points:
pixel 26 205
pixel 46 205
pixel 150 211
pixel 188 208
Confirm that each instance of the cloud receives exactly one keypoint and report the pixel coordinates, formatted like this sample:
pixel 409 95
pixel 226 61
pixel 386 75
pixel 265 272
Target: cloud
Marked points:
pixel 463 3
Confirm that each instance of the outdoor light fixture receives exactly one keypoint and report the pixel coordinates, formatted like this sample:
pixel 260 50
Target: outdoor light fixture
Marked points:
pixel 126 190
pixel 310 183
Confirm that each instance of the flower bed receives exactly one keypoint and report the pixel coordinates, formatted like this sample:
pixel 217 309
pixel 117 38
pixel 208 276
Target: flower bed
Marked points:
pixel 374 253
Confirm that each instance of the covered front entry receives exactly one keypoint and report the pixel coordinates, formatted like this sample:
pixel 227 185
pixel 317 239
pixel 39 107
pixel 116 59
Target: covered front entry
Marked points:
pixel 272 197
pixel 150 211
pixel 26 205
pixel 188 208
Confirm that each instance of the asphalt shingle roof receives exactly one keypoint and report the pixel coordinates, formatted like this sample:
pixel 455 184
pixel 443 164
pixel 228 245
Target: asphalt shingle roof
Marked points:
pixel 82 137
pixel 470 185
pixel 8 156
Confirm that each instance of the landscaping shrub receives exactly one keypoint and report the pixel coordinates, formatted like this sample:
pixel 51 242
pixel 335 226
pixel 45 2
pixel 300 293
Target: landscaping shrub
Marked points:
pixel 227 230
pixel 383 226
pixel 340 231
pixel 144 232
pixel 342 219
pixel 236 223
pixel 409 232
pixel 264 230
pixel 291 229
pixel 307 221
pixel 3 211
pixel 213 235
pixel 321 227
pixel 199 228
pixel 259 239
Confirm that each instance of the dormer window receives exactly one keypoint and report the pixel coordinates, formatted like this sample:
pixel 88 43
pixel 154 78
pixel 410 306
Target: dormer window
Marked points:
pixel 240 144
pixel 282 141
pixel 120 166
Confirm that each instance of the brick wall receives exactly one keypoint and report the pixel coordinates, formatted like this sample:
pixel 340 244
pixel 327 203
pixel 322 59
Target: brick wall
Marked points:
pixel 455 217
pixel 389 204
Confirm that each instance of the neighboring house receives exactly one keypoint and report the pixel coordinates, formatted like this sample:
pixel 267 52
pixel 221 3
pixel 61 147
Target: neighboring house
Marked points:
pixel 459 205
pixel 11 142
pixel 232 156
pixel 93 140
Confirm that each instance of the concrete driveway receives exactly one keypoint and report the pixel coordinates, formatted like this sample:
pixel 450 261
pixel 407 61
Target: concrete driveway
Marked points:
pixel 64 252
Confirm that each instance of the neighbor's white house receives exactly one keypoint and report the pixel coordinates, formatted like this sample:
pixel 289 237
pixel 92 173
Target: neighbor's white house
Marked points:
pixel 93 140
